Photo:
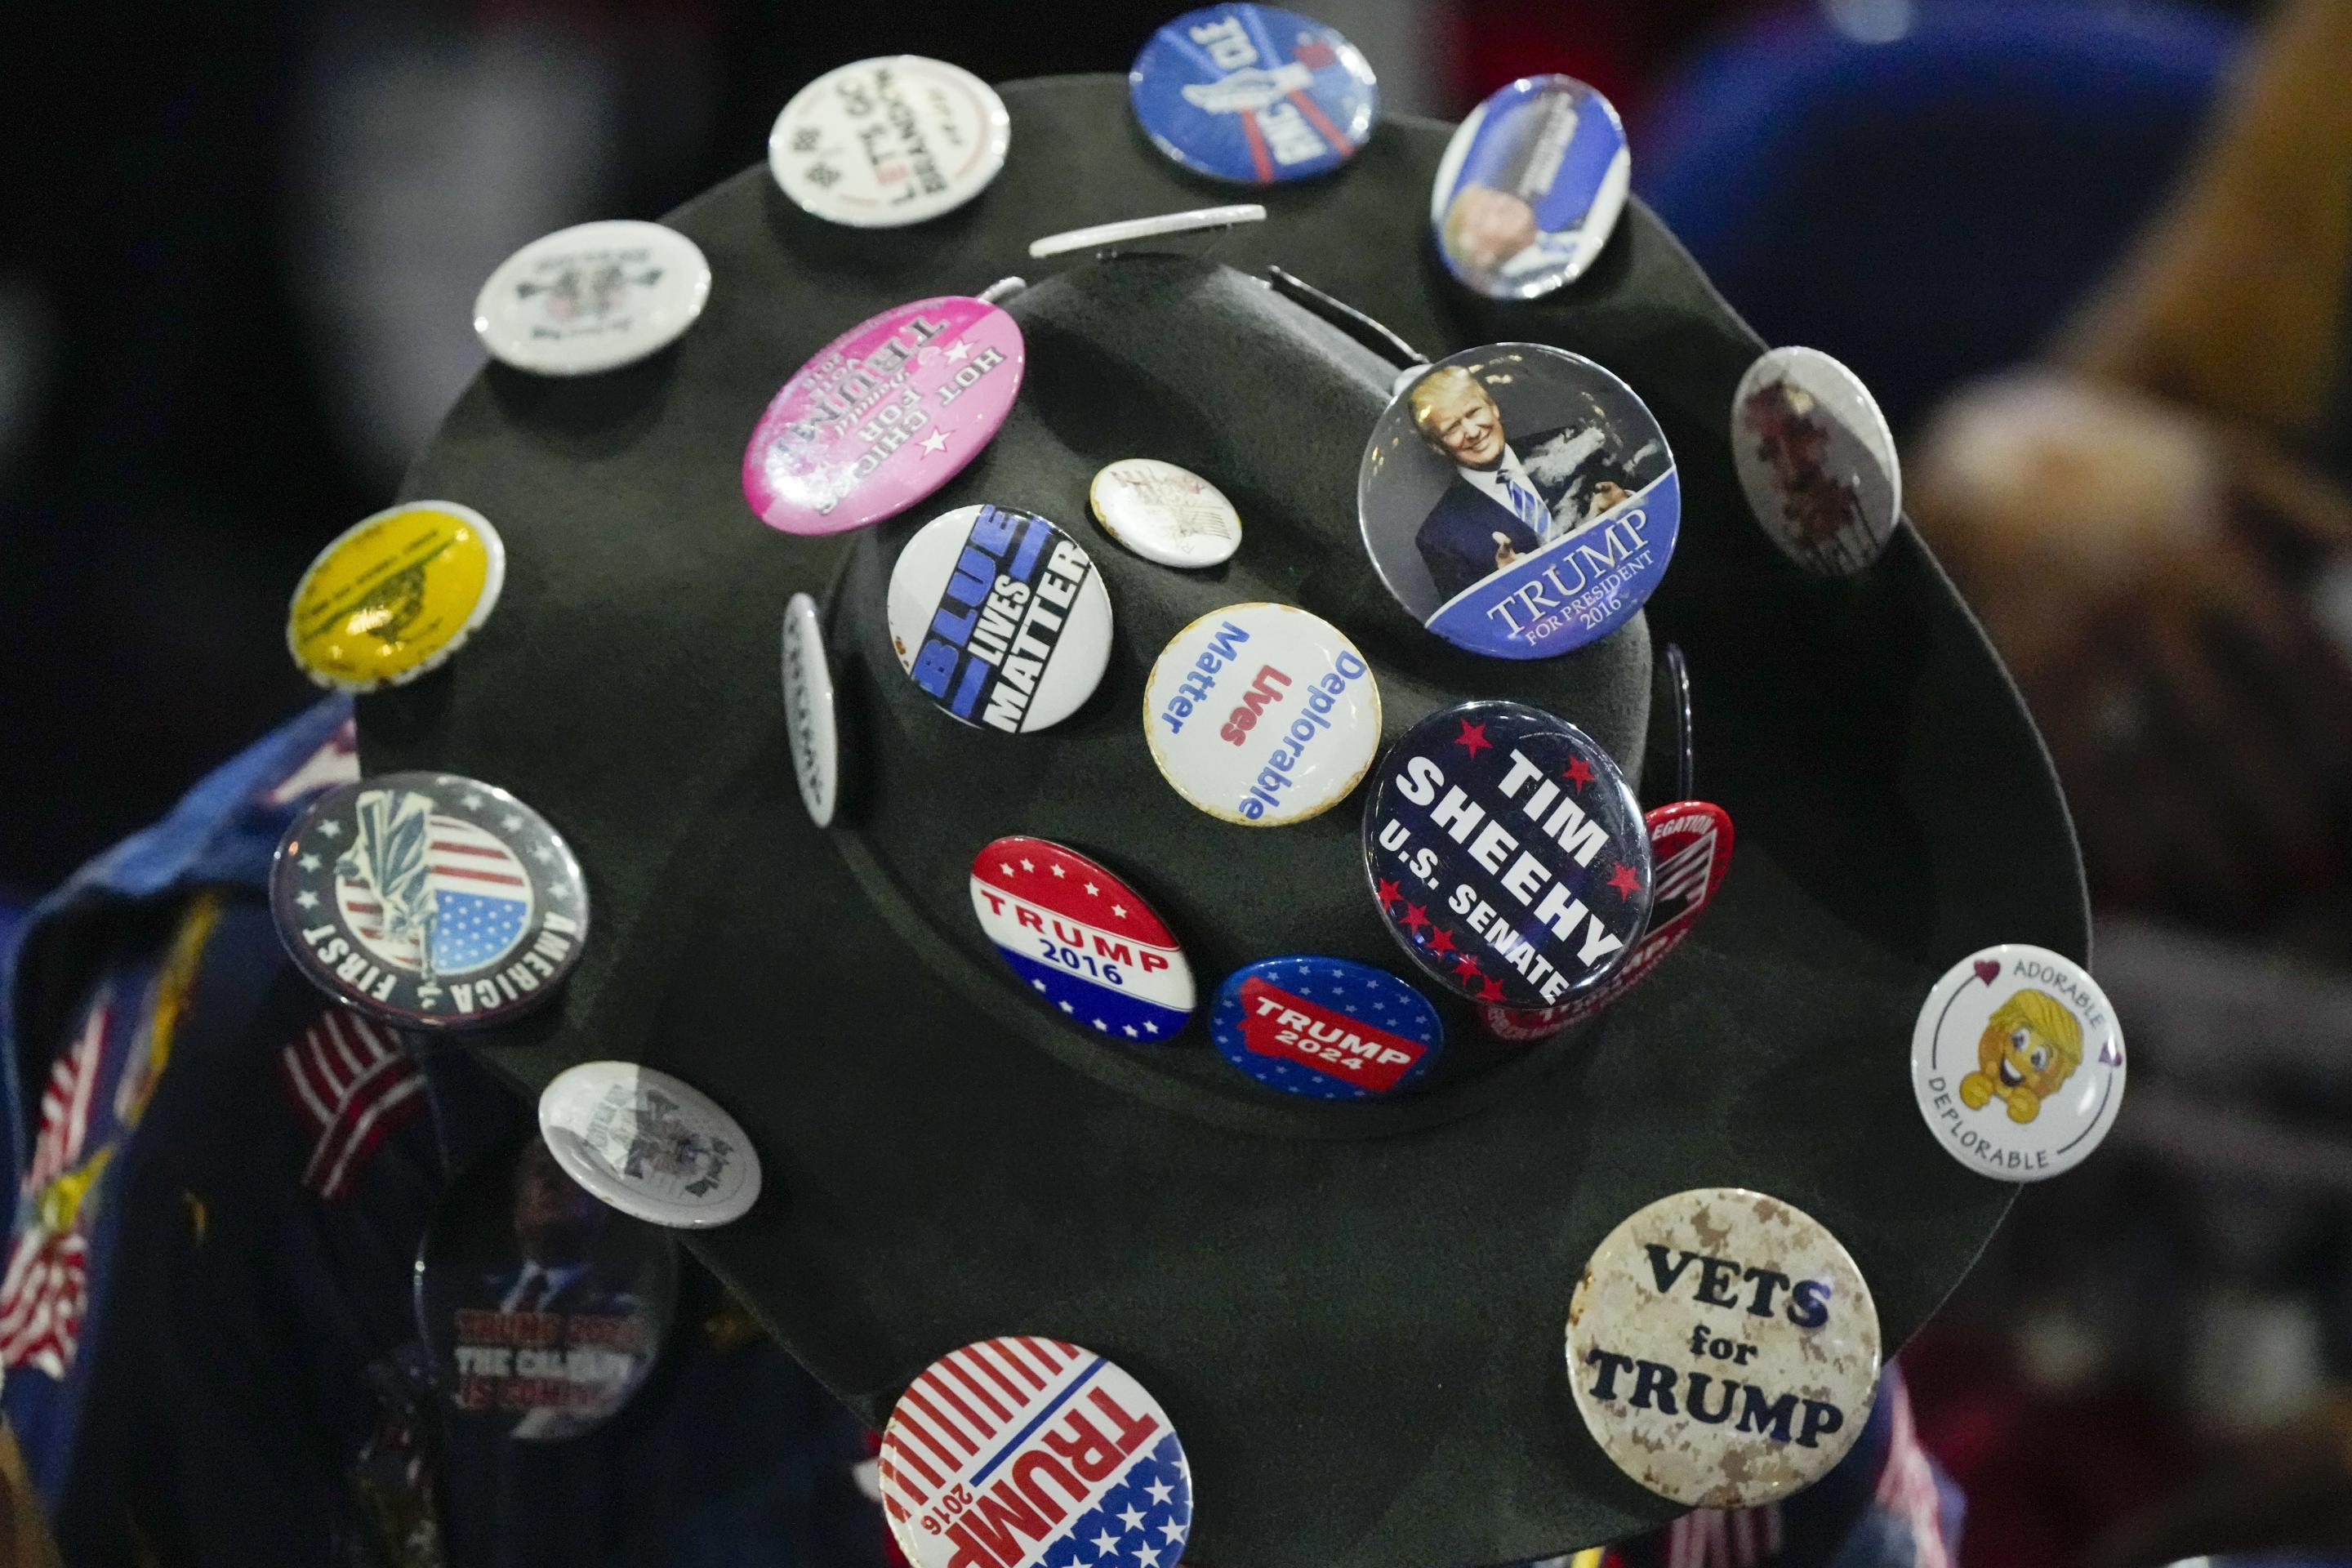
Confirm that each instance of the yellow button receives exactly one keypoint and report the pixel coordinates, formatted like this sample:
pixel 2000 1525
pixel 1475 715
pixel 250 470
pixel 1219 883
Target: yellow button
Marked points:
pixel 396 595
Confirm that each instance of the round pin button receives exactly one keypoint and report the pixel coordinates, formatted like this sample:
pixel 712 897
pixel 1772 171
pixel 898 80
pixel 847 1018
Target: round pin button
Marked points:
pixel 1524 1026
pixel 429 901
pixel 885 414
pixel 1165 513
pixel 883 142
pixel 1326 1028
pixel 1253 94
pixel 1082 939
pixel 1507 854
pixel 1041 1437
pixel 649 1145
pixel 592 297
pixel 1723 1348
pixel 2018 1062
pixel 1262 714
pixel 1518 501
pixel 809 719
pixel 1690 848
pixel 1000 618
pixel 396 595
pixel 1817 460
pixel 1531 187
pixel 1136 233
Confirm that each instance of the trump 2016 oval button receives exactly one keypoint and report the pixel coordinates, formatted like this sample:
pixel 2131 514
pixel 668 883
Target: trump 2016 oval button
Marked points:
pixel 1326 1028
pixel 1083 940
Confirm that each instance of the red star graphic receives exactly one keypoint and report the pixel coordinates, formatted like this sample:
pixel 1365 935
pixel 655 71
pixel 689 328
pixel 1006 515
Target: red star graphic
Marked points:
pixel 1474 738
pixel 1415 918
pixel 1624 881
pixel 1578 772
pixel 1465 966
pixel 1491 993
pixel 1388 894
pixel 1442 942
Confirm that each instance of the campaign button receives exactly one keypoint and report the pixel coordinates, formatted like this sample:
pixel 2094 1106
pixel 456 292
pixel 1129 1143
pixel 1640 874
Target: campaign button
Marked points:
pixel 1000 618
pixel 1508 855
pixel 885 414
pixel 429 901
pixel 1262 714
pixel 2018 1063
pixel 1025 1452
pixel 1518 501
pixel 1525 1026
pixel 396 595
pixel 1690 848
pixel 1085 942
pixel 1253 93
pixel 1531 187
pixel 1165 513
pixel 1723 1348
pixel 809 721
pixel 883 142
pixel 1136 233
pixel 1326 1028
pixel 592 297
pixel 1817 460
pixel 648 1144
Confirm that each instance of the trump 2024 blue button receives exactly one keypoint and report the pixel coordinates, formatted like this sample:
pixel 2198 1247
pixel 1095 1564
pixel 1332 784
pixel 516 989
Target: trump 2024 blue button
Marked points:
pixel 1253 94
pixel 1326 1028
pixel 1085 942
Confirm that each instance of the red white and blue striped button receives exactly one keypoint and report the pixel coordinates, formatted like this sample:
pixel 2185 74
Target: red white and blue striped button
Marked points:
pixel 1082 940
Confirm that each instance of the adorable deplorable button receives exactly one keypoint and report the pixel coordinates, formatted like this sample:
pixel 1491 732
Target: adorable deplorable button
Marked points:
pixel 649 1144
pixel 592 297
pixel 1507 854
pixel 1723 1348
pixel 1817 460
pixel 429 901
pixel 1085 942
pixel 1000 618
pixel 809 722
pixel 882 143
pixel 2018 1063
pixel 1165 513
pixel 1262 714
pixel 1253 93
pixel 1326 1028
pixel 396 595
pixel 883 416
pixel 1024 1451
pixel 1531 187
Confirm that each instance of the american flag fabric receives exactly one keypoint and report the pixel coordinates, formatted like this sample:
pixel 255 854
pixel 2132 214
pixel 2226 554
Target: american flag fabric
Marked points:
pixel 1082 940
pixel 479 893
pixel 45 1293
pixel 353 1085
pixel 1032 1453
pixel 336 761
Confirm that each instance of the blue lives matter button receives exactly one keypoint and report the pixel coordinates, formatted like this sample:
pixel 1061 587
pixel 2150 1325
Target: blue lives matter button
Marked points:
pixel 1507 854
pixel 1083 940
pixel 1326 1028
pixel 1253 94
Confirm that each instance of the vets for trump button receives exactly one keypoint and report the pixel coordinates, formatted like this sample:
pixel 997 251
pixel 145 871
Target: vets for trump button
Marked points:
pixel 1690 848
pixel 1082 940
pixel 1025 1451
pixel 809 722
pixel 1253 94
pixel 884 142
pixel 1165 513
pixel 649 1144
pixel 1508 855
pixel 1326 1028
pixel 1000 618
pixel 1723 1348
pixel 2018 1063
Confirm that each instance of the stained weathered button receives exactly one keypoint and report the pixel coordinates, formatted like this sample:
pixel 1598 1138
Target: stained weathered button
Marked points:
pixel 886 142
pixel 1000 618
pixel 396 595
pixel 1262 714
pixel 1253 94
pixel 1083 941
pixel 1531 187
pixel 1817 460
pixel 1326 1028
pixel 1165 513
pixel 592 297
pixel 544 1308
pixel 810 724
pixel 1518 501
pixel 649 1144
pixel 883 416
pixel 1147 233
pixel 1025 1452
pixel 1723 1348
pixel 429 901
pixel 1507 854
pixel 2018 1062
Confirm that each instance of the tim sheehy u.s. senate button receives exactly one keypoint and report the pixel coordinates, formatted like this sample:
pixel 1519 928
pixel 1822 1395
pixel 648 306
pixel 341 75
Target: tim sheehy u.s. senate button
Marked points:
pixel 1262 714
pixel 1723 1348
pixel 396 595
pixel 1817 460
pixel 1507 854
pixel 1326 1028
pixel 649 1144
pixel 811 724
pixel 1165 513
pixel 2018 1062
pixel 1000 618
pixel 885 414
pixel 1083 939
pixel 1026 1451
pixel 882 143
pixel 1690 849
pixel 592 297
pixel 1518 501
pixel 429 901
pixel 1253 94
pixel 1531 187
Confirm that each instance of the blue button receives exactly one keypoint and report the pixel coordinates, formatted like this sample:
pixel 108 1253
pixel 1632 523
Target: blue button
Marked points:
pixel 1531 187
pixel 1326 1028
pixel 1253 94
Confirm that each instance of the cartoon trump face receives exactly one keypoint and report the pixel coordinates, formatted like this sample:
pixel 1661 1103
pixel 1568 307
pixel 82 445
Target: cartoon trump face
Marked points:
pixel 2030 1045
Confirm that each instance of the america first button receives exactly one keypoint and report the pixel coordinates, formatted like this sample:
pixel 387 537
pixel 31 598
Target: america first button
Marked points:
pixel 1085 942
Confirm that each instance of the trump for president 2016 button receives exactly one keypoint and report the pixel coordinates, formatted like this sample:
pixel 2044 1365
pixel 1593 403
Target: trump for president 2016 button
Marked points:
pixel 1083 940
pixel 1253 94
pixel 1326 1028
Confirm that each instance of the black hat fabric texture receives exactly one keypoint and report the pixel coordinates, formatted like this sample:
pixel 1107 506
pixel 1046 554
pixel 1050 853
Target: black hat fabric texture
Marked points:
pixel 1352 1312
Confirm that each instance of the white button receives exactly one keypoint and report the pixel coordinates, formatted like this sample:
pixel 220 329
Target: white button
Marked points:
pixel 1165 513
pixel 891 141
pixel 2018 1063
pixel 648 1144
pixel 809 721
pixel 1130 234
pixel 592 297
pixel 1817 460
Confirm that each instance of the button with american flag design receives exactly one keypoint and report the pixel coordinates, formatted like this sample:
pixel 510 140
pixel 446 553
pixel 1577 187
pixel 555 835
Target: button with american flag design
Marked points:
pixel 1082 940
pixel 1025 1452
pixel 1326 1028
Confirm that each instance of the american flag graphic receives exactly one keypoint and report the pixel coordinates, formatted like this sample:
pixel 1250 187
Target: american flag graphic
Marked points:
pixel 1081 940
pixel 480 900
pixel 354 1087
pixel 1021 1451
pixel 45 1290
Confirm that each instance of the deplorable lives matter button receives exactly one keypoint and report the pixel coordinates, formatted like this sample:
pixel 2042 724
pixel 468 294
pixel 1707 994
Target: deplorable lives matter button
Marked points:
pixel 648 1144
pixel 1816 459
pixel 1326 1028
pixel 1164 513
pixel 1083 939
pixel 2018 1063
pixel 882 143
pixel 429 901
pixel 1723 1348
pixel 1253 93
pixel 811 723
pixel 1507 854
pixel 592 297
pixel 1531 187
pixel 883 416
pixel 394 594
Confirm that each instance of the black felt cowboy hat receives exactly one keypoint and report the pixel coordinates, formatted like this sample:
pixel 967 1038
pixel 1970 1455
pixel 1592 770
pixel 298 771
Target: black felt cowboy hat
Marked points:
pixel 1352 1312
